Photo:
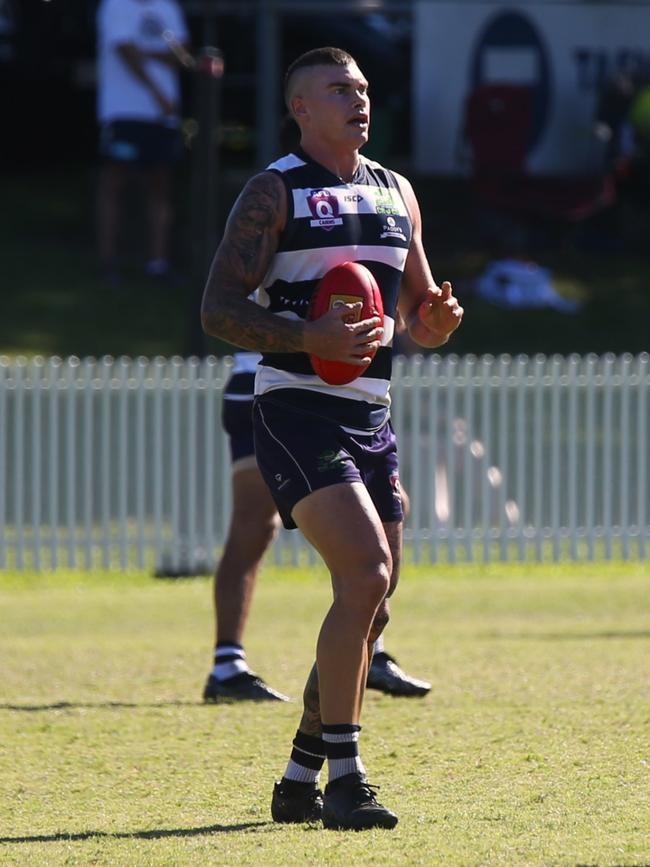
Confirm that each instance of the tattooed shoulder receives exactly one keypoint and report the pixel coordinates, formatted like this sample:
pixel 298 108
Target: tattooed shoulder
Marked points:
pixel 242 259
pixel 255 223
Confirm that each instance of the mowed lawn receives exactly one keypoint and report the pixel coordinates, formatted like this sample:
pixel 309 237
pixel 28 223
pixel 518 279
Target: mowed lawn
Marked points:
pixel 533 747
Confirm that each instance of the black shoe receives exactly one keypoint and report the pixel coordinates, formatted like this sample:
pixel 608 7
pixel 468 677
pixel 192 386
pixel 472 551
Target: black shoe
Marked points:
pixel 385 675
pixel 296 802
pixel 242 687
pixel 350 804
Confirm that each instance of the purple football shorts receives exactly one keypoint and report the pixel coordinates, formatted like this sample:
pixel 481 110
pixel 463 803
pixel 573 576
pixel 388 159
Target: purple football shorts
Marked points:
pixel 298 453
pixel 237 415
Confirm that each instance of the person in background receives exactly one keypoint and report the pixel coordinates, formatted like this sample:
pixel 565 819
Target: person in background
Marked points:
pixel 141 44
pixel 253 525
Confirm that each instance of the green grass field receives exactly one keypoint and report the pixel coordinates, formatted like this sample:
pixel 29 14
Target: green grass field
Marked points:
pixel 532 748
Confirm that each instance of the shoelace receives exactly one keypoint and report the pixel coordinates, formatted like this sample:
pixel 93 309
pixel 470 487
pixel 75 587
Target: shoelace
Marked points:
pixel 365 793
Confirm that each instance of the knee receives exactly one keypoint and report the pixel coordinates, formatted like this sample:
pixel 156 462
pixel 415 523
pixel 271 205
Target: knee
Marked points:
pixel 268 528
pixel 380 622
pixel 255 531
pixel 383 578
pixel 376 580
pixel 370 585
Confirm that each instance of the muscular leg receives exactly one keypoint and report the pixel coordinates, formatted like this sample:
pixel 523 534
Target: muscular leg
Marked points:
pixel 311 718
pixel 253 524
pixel 341 521
pixel 342 524
pixel 112 180
pixel 393 531
pixel 385 674
pixel 160 212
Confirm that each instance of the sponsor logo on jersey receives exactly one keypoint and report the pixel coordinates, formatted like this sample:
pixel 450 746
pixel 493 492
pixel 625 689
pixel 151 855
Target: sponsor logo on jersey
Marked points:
pixel 324 208
pixel 392 229
pixel 385 203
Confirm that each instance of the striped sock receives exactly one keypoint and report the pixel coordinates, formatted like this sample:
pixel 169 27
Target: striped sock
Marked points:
pixel 307 757
pixel 342 747
pixel 229 660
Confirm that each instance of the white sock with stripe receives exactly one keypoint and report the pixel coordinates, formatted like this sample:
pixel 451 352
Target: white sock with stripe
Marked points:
pixel 229 660
pixel 307 757
pixel 342 748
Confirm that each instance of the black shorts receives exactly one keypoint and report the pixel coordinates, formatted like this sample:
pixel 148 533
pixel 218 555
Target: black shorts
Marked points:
pixel 237 415
pixel 141 143
pixel 298 453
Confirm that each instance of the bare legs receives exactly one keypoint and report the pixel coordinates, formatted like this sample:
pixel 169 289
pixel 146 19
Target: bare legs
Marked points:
pixel 158 181
pixel 110 192
pixel 342 523
pixel 253 525
pixel 112 187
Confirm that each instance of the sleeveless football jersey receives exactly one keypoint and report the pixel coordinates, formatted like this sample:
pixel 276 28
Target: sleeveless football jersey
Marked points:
pixel 330 222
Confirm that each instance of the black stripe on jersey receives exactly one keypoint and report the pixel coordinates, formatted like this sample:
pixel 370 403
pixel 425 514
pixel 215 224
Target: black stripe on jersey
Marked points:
pixel 360 229
pixel 298 362
pixel 295 297
pixel 291 296
pixel 356 414
pixel 389 280
pixel 240 383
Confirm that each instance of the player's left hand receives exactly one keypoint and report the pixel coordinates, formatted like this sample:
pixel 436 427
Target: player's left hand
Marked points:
pixel 440 311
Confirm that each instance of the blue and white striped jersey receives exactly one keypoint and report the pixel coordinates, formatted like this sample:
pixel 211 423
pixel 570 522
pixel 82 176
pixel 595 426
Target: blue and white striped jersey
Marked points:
pixel 330 222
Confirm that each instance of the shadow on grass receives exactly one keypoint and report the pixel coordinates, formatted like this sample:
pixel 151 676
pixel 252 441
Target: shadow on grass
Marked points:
pixel 138 835
pixel 118 705
pixel 571 636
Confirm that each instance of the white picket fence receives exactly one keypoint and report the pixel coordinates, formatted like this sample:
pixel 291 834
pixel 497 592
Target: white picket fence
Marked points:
pixel 120 463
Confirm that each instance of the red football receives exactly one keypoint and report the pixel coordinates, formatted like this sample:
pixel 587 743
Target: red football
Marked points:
pixel 344 284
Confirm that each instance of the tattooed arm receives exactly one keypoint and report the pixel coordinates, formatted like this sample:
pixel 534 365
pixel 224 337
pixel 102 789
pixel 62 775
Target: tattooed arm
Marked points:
pixel 242 259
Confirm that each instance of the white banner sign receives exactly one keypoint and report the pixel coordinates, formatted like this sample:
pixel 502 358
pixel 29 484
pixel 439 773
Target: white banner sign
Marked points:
pixel 563 51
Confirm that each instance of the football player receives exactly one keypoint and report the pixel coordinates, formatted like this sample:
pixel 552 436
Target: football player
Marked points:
pixel 317 207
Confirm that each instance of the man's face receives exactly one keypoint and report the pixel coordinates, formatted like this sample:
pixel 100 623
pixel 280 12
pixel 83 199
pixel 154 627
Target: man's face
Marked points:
pixel 332 102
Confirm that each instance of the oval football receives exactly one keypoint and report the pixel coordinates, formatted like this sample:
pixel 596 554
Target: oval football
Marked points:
pixel 347 283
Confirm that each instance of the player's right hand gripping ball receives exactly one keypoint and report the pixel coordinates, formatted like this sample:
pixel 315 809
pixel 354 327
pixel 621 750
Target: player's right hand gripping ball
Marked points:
pixel 348 283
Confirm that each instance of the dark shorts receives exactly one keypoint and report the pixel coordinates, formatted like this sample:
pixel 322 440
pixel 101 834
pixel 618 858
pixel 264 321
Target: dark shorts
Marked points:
pixel 141 143
pixel 299 453
pixel 237 415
